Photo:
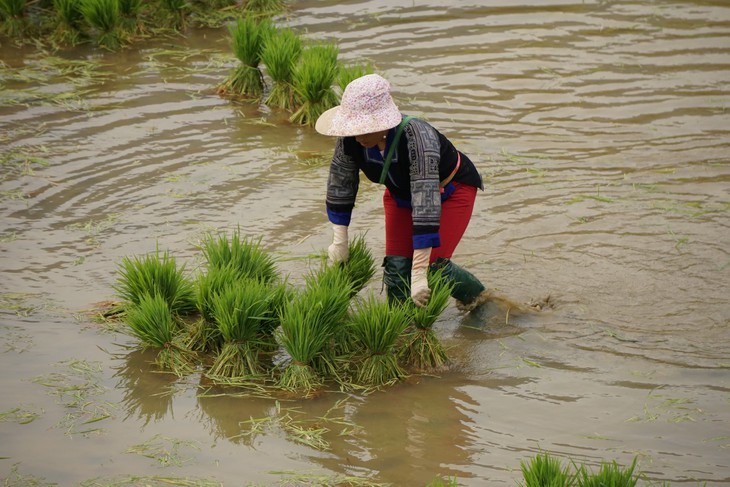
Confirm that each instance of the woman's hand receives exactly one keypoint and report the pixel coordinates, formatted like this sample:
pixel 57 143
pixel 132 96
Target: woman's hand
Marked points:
pixel 339 251
pixel 420 292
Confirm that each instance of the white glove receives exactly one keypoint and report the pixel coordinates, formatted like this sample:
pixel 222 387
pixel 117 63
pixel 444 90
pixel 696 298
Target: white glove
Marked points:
pixel 339 251
pixel 420 292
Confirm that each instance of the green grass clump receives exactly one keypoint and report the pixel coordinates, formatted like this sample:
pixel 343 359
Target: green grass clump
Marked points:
pixel 176 13
pixel 248 37
pixel 152 321
pixel 239 312
pixel 155 274
pixel 263 7
pixel 422 348
pixel 313 78
pixel 244 255
pixel 376 326
pixel 105 18
pixel 280 54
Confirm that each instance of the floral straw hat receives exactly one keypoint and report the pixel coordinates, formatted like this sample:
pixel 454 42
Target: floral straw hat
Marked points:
pixel 366 107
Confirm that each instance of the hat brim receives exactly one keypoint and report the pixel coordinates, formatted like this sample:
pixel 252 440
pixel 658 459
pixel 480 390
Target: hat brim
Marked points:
pixel 334 122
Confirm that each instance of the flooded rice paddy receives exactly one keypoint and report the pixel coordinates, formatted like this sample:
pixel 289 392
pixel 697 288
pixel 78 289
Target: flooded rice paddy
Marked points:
pixel 602 131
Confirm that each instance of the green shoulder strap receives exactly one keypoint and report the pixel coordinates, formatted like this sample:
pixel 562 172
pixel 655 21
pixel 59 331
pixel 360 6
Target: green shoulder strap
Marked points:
pixel 393 145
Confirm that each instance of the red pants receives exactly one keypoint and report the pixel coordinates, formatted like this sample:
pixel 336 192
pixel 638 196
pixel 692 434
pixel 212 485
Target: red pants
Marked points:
pixel 455 215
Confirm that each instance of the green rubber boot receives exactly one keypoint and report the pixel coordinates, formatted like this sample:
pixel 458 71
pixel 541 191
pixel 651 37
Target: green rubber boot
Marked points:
pixel 397 278
pixel 468 291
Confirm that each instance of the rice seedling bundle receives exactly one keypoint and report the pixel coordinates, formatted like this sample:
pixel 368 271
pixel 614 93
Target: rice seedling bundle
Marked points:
pixel 104 16
pixel 376 325
pixel 12 15
pixel 263 7
pixel 152 321
pixel 313 78
pixel 308 324
pixel 247 37
pixel 609 474
pixel 239 312
pixel 350 72
pixel 422 348
pixel 177 10
pixel 69 21
pixel 204 335
pixel 544 470
pixel 155 274
pixel 280 54
pixel 360 267
pixel 243 254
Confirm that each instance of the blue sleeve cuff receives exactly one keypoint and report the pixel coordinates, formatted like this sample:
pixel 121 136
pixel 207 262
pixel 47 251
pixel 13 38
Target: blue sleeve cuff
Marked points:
pixel 426 240
pixel 339 218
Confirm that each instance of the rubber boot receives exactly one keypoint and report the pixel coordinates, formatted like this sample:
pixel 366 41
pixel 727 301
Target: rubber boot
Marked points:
pixel 468 291
pixel 397 278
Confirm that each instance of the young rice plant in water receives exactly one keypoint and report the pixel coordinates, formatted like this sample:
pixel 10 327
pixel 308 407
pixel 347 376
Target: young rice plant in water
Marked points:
pixel 544 470
pixel 239 312
pixel 155 274
pixel 69 21
pixel 12 17
pixel 153 323
pixel 244 255
pixel 313 78
pixel 360 267
pixel 104 16
pixel 377 325
pixel 280 54
pixel 422 348
pixel 247 37
pixel 609 474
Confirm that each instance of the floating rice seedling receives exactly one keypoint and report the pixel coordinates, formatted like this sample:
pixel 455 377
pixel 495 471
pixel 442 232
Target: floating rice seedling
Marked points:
pixel 69 22
pixel 155 274
pixel 280 54
pixel 243 254
pixel 545 470
pixel 104 17
pixel 350 72
pixel 376 326
pixel 153 323
pixel 12 18
pixel 313 78
pixel 422 348
pixel 239 312
pixel 308 324
pixel 247 37
pixel 360 267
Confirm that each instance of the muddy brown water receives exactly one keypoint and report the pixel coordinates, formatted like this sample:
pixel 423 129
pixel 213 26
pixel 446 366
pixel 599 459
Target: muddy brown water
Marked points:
pixel 602 132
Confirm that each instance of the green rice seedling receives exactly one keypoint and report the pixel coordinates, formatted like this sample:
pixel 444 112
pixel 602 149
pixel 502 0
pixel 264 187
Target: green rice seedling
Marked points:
pixel 155 274
pixel 263 7
pixel 204 335
pixel 153 323
pixel 239 312
pixel 544 470
pixel 313 78
pixel 130 11
pixel 13 22
pixel 280 54
pixel 609 474
pixel 360 267
pixel 248 37
pixel 422 348
pixel 376 325
pixel 350 72
pixel 243 254
pixel 104 17
pixel 69 21
pixel 308 325
pixel 177 11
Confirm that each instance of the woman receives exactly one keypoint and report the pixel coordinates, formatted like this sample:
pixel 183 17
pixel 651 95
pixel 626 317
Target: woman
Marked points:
pixel 429 195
